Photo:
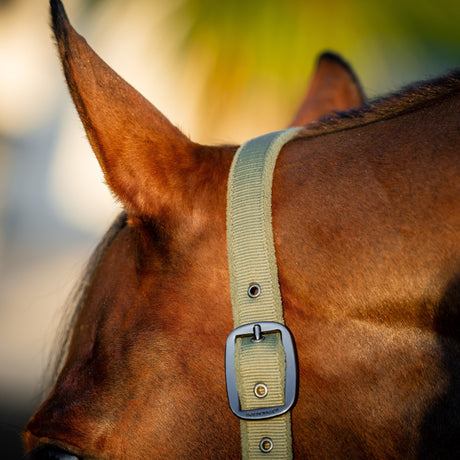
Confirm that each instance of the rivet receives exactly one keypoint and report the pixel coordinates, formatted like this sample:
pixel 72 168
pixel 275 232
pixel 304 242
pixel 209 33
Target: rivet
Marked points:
pixel 260 390
pixel 254 290
pixel 266 445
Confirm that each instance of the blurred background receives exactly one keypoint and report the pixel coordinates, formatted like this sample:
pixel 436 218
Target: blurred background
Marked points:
pixel 223 71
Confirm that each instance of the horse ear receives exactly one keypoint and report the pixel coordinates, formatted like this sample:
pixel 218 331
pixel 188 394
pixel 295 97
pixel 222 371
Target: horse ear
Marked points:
pixel 140 152
pixel 334 86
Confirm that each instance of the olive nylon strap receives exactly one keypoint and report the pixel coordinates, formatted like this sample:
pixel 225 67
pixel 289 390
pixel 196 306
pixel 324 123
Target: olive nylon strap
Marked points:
pixel 252 260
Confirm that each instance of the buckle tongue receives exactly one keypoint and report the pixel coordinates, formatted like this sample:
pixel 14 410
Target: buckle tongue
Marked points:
pixel 257 331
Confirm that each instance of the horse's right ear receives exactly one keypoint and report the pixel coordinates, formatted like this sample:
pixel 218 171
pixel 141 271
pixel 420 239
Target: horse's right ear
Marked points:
pixel 334 86
pixel 143 156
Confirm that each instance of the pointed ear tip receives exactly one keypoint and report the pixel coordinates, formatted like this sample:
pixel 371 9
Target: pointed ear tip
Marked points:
pixel 337 59
pixel 58 17
pixel 334 57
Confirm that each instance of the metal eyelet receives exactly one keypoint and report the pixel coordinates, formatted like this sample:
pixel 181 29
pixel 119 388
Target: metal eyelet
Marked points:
pixel 254 290
pixel 266 445
pixel 260 390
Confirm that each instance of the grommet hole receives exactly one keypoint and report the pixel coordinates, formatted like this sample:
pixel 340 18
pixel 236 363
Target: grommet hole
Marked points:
pixel 254 291
pixel 260 390
pixel 266 445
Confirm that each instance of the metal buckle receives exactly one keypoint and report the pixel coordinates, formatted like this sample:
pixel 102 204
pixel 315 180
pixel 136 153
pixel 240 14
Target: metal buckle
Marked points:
pixel 290 389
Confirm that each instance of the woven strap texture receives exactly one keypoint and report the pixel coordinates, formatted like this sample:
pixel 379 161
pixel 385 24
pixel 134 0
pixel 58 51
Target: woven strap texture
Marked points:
pixel 252 260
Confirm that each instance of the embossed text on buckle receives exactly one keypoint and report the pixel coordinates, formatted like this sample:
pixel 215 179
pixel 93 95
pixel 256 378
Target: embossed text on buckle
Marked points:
pixel 257 330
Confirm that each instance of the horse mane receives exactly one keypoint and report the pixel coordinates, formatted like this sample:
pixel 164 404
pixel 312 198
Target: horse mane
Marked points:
pixel 409 99
pixel 77 297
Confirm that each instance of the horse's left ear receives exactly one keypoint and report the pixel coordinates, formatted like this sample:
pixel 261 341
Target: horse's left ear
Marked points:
pixel 143 156
pixel 334 86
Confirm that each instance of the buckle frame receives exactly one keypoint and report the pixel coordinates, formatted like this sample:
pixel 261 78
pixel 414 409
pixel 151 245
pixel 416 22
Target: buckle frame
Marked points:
pixel 290 387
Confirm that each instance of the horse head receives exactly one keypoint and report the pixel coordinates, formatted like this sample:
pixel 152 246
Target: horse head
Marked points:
pixel 146 353
pixel 367 258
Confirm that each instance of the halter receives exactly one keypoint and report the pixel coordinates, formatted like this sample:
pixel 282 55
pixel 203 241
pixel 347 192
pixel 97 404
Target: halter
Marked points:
pixel 260 359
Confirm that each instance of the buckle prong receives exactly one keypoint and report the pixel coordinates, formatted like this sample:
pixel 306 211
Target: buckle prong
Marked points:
pixel 258 337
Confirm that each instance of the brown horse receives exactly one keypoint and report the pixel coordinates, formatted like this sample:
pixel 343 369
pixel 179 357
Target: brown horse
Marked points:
pixel 366 220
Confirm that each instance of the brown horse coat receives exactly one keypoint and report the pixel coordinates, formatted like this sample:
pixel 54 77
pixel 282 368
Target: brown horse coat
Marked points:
pixel 366 223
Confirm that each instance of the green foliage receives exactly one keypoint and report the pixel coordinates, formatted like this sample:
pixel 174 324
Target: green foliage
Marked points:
pixel 248 48
pixel 249 43
pixel 279 38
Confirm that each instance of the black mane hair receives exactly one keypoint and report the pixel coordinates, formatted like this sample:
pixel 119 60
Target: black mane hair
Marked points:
pixel 78 296
pixel 408 99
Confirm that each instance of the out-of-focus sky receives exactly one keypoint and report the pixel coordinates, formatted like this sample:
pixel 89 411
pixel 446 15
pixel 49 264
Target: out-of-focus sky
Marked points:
pixel 223 71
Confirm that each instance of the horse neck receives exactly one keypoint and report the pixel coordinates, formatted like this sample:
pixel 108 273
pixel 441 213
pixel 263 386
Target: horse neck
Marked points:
pixel 365 218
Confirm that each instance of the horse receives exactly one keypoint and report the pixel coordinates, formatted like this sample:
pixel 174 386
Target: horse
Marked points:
pixel 366 215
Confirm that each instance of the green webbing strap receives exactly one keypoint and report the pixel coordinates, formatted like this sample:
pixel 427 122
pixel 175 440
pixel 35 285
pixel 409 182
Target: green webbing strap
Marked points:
pixel 252 261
